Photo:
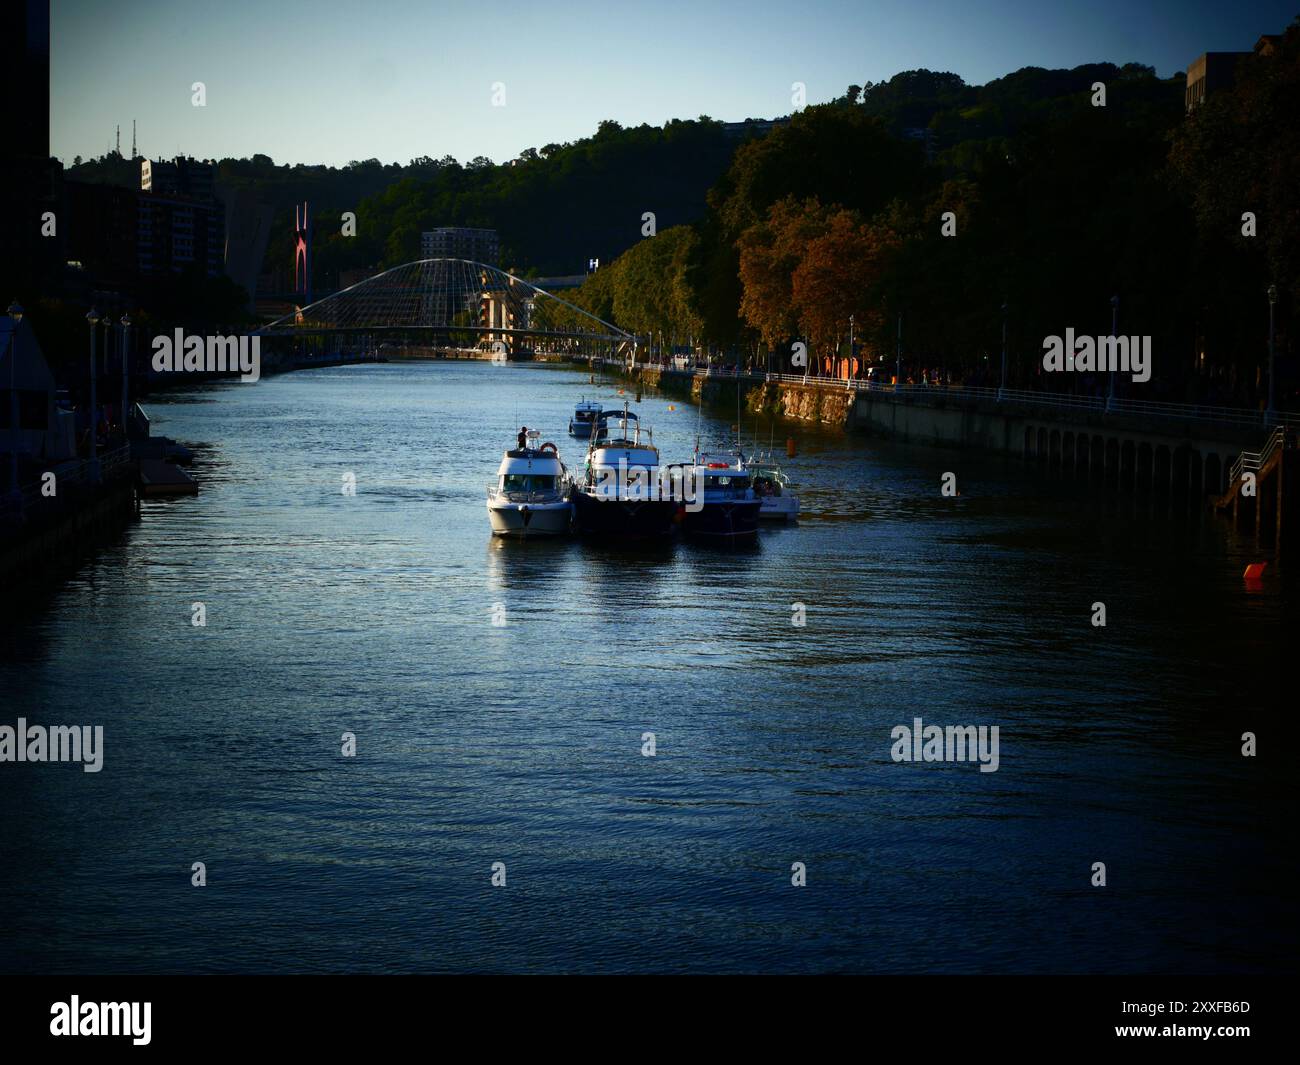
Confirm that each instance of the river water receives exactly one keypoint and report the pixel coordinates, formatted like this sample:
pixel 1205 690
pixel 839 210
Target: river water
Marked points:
pixel 522 743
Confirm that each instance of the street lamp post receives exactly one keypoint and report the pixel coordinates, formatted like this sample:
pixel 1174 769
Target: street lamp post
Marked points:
pixel 849 375
pixel 16 313
pixel 898 355
pixel 1272 302
pixel 92 316
pixel 1003 386
pixel 1114 332
pixel 126 368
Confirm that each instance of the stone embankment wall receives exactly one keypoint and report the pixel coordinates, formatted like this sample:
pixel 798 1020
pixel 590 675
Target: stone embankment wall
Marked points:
pixel 825 406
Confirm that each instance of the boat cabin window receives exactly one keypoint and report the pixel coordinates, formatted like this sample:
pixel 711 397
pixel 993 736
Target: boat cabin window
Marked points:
pixel 528 482
pixel 727 483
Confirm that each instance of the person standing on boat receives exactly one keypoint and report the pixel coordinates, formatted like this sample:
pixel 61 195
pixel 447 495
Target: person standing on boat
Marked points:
pixel 523 437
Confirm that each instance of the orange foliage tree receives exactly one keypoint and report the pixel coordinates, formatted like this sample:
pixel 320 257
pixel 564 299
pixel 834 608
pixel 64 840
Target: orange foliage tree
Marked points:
pixel 838 276
pixel 770 252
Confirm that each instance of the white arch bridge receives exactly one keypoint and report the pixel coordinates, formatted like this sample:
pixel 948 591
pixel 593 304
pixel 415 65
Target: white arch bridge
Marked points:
pixel 456 302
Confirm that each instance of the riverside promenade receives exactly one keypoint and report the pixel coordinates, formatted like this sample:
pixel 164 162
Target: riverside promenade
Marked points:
pixel 42 534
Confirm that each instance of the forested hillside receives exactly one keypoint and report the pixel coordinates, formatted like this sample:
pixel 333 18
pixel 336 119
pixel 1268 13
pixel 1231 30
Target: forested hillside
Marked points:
pixel 930 204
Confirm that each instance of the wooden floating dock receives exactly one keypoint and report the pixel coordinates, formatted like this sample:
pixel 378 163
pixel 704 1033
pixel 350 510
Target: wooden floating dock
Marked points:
pixel 159 478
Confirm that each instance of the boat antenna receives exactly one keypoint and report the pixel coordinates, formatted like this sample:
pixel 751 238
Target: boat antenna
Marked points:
pixel 699 416
pixel 738 451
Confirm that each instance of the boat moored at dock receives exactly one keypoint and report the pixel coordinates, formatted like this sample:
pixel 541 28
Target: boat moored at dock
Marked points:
pixel 621 493
pixel 771 487
pixel 531 495
pixel 583 421
pixel 730 509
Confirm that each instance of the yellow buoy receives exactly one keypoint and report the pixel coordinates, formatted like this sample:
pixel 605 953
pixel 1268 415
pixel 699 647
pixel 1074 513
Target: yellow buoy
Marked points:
pixel 671 407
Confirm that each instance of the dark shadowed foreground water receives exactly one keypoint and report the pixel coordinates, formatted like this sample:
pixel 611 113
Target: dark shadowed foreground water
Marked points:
pixel 522 743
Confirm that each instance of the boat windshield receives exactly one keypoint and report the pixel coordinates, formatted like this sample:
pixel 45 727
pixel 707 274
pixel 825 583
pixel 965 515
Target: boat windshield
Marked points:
pixel 619 429
pixel 527 482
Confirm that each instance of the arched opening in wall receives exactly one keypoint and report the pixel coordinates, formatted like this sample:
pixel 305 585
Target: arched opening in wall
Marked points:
pixel 1213 474
pixel 1042 444
pixel 1029 441
pixel 1127 463
pixel 1161 464
pixel 1142 475
pixel 1180 477
pixel 1097 463
pixel 1055 446
pixel 1067 451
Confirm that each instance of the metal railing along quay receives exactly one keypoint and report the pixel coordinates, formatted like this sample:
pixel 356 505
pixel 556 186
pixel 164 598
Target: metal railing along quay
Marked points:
pixel 74 474
pixel 1193 412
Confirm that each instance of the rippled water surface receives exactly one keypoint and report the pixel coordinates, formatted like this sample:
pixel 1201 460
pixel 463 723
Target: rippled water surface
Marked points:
pixel 522 743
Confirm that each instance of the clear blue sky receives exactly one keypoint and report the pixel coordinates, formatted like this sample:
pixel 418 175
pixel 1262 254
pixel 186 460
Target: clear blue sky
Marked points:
pixel 328 81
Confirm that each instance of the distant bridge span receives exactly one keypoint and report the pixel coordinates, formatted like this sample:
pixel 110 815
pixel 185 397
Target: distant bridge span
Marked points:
pixel 452 298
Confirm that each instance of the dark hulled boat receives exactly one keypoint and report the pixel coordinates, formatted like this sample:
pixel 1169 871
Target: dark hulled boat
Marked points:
pixel 620 494
pixel 727 508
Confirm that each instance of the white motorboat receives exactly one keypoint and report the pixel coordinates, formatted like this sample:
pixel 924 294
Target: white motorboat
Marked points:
pixel 772 487
pixel 531 495
pixel 584 418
